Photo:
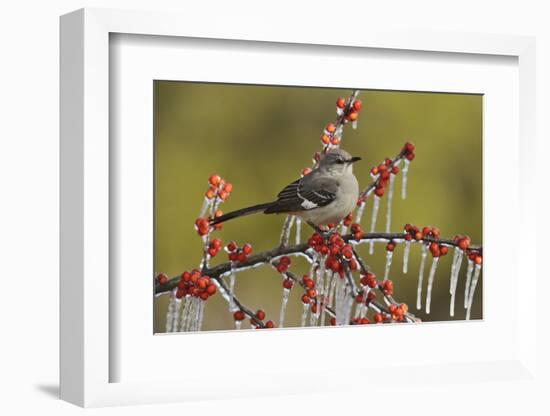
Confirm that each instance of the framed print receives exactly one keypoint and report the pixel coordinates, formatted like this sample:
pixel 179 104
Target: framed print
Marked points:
pixel 240 206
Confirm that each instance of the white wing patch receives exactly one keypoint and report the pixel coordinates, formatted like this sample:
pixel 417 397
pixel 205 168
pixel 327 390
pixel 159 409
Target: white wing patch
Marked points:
pixel 308 204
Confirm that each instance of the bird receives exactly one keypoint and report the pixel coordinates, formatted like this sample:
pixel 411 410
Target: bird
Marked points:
pixel 324 196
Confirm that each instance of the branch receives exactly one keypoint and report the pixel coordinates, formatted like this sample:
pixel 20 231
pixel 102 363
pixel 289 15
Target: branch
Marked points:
pixel 300 249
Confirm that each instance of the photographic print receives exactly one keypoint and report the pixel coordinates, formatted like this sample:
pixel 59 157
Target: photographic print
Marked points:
pixel 285 207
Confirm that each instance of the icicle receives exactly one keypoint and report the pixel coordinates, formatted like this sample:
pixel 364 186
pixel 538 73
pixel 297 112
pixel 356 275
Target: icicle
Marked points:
pixel 472 290
pixel 298 230
pixel 238 324
pixel 200 317
pixel 205 206
pixel 431 277
pixel 327 297
pixel 453 265
pixel 469 271
pixel 304 314
pixel 454 282
pixel 421 277
pixel 389 202
pixel 232 277
pixel 389 256
pixel 373 220
pixel 171 313
pixel 177 314
pixel 284 302
pixel 359 212
pixel 184 312
pixel 406 256
pixel 404 172
pixel 319 284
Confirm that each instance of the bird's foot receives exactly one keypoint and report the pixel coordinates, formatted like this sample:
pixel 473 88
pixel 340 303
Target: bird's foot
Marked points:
pixel 325 233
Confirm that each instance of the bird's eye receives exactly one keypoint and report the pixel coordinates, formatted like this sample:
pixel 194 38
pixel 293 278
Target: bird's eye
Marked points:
pixel 340 161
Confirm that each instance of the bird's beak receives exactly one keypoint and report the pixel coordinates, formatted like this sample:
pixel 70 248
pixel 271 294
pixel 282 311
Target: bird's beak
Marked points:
pixel 354 159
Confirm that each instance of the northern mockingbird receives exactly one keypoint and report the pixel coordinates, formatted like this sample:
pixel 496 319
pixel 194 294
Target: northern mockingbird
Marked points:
pixel 324 196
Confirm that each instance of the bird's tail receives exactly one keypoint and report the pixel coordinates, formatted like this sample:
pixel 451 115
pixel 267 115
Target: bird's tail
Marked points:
pixel 241 212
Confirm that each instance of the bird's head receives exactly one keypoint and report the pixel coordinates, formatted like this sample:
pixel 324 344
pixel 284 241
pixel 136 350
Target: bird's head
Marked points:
pixel 338 161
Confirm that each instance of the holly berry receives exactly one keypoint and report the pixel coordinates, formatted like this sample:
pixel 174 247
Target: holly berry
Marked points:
pixel 288 283
pixel 340 102
pixel 357 105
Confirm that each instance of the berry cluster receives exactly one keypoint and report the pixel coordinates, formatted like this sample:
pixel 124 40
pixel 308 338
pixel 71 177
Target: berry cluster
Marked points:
pixel 260 316
pixel 408 151
pixel 214 246
pixel 382 173
pixel 283 264
pixel 463 242
pixel 218 187
pixel 346 113
pixel 218 191
pixel 236 254
pixel 436 249
pixel 356 231
pixel 349 113
pixel 194 284
pixel 337 251
pixel 361 321
pixel 310 293
pixel 398 311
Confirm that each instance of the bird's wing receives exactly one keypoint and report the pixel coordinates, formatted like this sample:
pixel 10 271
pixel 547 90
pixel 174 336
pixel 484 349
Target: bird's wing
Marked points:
pixel 310 192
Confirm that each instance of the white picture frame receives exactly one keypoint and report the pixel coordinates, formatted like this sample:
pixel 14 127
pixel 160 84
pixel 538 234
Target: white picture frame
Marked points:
pixel 87 356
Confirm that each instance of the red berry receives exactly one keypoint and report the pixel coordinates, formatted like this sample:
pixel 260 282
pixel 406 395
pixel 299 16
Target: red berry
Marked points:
pixel 464 243
pixel 211 289
pixel 311 293
pixel 333 321
pixel 390 246
pixel 212 252
pixel 325 139
pixel 353 116
pixel 269 324
pixel 331 128
pixel 180 293
pixel 409 147
pixel 228 187
pixel 238 315
pixel 340 102
pixel 214 180
pixel 357 105
pixel 288 283
pixel 247 249
pixel 231 246
pixel 378 318
pixel 162 278
pixel 379 192
pixel 260 314
pixel 305 299
pixel 204 295
pixel 443 250
pixel 211 193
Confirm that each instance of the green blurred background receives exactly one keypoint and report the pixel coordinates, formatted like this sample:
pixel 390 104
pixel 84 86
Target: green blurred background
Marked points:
pixel 260 137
